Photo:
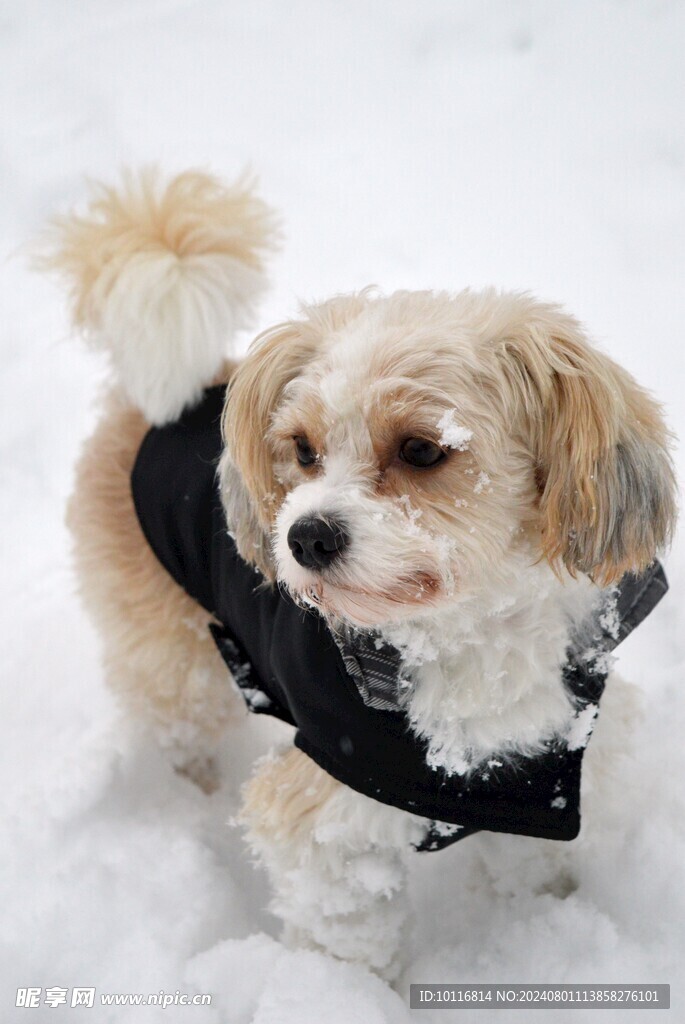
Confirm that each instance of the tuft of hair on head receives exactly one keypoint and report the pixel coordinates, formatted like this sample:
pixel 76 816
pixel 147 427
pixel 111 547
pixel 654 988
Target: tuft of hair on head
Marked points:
pixel 607 491
pixel 161 275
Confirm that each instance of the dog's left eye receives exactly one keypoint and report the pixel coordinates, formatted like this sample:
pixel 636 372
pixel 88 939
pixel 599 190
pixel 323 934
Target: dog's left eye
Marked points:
pixel 419 452
pixel 306 456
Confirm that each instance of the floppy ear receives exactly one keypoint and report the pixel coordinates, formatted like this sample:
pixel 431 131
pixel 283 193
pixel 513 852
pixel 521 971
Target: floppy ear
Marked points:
pixel 607 488
pixel 251 494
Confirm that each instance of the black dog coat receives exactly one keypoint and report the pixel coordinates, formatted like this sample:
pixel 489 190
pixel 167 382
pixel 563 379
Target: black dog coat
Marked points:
pixel 341 694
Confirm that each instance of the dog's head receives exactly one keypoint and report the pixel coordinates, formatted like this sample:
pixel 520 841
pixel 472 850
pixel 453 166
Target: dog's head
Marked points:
pixel 385 455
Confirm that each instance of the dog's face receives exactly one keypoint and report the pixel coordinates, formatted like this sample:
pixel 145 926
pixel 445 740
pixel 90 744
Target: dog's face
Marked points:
pixel 400 486
pixel 393 453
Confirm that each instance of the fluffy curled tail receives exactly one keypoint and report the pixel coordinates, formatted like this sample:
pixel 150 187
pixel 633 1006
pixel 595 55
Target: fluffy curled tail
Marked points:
pixel 161 276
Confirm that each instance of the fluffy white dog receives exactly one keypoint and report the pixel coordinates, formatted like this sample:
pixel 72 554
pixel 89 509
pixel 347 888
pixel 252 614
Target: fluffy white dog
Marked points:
pixel 462 479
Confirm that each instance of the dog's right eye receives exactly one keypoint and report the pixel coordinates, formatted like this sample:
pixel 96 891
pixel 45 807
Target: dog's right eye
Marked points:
pixel 306 456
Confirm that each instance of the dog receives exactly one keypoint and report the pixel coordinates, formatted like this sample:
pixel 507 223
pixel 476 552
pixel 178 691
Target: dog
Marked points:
pixel 447 492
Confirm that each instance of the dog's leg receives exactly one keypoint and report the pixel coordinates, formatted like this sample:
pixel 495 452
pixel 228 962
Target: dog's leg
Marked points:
pixel 160 659
pixel 336 860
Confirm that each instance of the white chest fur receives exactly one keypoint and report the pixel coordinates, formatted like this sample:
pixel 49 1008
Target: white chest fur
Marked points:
pixel 485 672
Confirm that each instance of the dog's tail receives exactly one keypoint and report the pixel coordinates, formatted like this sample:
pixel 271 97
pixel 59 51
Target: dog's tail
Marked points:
pixel 161 276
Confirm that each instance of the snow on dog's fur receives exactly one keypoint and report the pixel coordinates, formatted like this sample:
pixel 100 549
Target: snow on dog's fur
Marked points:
pixel 487 466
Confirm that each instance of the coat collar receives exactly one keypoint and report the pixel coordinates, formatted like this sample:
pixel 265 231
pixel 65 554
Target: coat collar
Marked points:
pixel 376 667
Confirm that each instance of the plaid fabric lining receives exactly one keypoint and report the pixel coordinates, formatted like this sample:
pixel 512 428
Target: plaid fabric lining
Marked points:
pixel 374 667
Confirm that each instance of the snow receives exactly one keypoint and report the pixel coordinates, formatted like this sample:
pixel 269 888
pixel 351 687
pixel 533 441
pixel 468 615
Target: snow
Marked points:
pixel 412 514
pixel 444 828
pixel 609 619
pixel 528 145
pixel 581 727
pixel 452 434
pixel 482 481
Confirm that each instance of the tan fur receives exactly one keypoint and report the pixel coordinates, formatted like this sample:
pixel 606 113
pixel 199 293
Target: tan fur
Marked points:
pixel 607 502
pixel 276 357
pixel 194 214
pixel 284 796
pixel 255 392
pixel 160 659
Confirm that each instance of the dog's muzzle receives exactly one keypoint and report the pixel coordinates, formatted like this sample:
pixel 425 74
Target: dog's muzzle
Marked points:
pixel 316 543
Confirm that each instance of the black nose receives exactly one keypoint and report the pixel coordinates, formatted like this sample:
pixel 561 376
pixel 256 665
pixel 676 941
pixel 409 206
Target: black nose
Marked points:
pixel 315 543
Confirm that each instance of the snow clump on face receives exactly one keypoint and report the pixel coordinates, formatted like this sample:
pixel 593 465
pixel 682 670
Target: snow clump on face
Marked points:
pixel 452 434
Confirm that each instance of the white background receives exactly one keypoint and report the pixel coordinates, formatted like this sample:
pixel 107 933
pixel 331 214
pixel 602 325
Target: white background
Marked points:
pixel 532 145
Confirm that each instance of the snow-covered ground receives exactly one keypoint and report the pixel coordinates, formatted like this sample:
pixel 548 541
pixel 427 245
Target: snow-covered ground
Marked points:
pixel 525 144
